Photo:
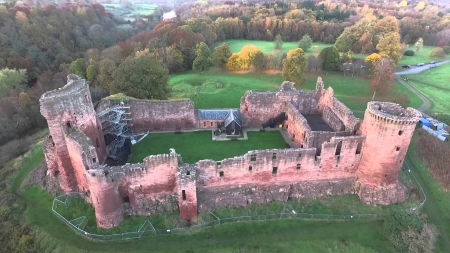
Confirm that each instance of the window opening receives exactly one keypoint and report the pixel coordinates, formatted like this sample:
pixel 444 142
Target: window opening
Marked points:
pixel 212 123
pixel 400 132
pixel 204 123
pixel 250 168
pixel 188 173
pixel 221 174
pixel 126 199
pixel 68 125
pixel 397 148
pixel 298 166
pixel 358 148
pixel 94 160
pixel 219 163
pixel 253 157
pixel 274 156
pixel 338 148
pixel 274 170
pixel 183 193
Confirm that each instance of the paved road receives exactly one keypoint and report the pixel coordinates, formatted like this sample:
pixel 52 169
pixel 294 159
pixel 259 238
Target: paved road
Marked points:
pixel 426 103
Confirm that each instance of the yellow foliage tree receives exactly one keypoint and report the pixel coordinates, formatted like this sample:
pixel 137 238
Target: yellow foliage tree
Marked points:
pixel 402 4
pixel 420 6
pixel 372 61
pixel 234 62
pixel 389 46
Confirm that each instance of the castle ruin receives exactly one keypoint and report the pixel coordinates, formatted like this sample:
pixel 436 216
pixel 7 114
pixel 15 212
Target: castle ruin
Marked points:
pixel 335 153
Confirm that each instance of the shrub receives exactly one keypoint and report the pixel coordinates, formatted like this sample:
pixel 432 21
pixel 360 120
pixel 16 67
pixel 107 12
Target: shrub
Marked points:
pixel 409 53
pixel 13 149
pixel 446 49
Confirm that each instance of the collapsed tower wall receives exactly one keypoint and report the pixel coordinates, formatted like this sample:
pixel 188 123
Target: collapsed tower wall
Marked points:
pixel 69 107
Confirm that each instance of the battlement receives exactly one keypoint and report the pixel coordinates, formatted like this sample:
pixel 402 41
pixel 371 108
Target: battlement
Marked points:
pixel 393 113
pixel 75 85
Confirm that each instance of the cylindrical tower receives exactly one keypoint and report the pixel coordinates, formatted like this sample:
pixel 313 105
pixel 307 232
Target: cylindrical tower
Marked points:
pixel 388 129
pixel 71 107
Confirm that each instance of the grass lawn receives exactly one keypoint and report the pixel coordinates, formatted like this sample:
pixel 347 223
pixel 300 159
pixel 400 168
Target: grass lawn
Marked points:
pixel 421 56
pixel 223 89
pixel 434 84
pixel 195 146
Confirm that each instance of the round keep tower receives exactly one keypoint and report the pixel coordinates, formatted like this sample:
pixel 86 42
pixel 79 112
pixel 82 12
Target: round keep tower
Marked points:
pixel 64 108
pixel 388 128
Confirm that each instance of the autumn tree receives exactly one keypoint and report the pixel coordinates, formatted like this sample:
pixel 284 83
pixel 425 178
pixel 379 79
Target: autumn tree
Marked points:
pixel 259 61
pixel 221 55
pixel 234 62
pixel 203 58
pixel 78 67
pixel 141 76
pixel 315 50
pixel 419 44
pixel 382 81
pixel 305 43
pixel 437 52
pixel 390 46
pixel 278 42
pixel 371 61
pixel 294 66
pixel 331 58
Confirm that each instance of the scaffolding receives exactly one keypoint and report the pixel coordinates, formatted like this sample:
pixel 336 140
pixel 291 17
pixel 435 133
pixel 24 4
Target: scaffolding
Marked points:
pixel 115 120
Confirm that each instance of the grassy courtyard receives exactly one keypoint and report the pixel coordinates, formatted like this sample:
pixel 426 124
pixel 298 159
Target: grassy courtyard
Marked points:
pixel 195 146
pixel 223 89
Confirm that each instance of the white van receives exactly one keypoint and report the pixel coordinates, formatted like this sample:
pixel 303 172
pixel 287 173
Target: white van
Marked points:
pixel 420 64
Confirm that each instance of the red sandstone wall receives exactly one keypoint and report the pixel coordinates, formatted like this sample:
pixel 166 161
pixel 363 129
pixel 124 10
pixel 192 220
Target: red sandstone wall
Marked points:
pixel 187 192
pixel 105 198
pixel 162 115
pixel 296 125
pixel 83 156
pixel 385 147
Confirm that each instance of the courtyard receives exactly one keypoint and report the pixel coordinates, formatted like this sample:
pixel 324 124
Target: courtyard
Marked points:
pixel 198 145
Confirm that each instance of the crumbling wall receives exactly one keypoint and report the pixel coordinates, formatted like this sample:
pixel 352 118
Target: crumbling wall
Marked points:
pixel 82 156
pixel 162 115
pixel 187 191
pixel 70 107
pixel 105 198
pixel 317 138
pixel 332 120
pixel 296 125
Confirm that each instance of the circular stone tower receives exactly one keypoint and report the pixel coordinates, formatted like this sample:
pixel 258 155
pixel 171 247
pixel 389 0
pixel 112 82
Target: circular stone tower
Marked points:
pixel 388 129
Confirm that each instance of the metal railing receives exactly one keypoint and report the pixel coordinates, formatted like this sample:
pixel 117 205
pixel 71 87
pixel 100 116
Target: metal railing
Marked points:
pixel 212 220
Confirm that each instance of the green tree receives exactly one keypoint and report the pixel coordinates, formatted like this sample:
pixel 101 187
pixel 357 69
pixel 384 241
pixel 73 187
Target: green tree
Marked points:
pixel 278 42
pixel 141 76
pixel 11 79
pixel 91 73
pixel 221 55
pixel 294 66
pixel 437 52
pixel 259 60
pixel 305 43
pixel 106 68
pixel 331 58
pixel 203 57
pixel 78 67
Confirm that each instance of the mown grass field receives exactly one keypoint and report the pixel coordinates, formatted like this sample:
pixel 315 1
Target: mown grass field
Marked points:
pixel 434 84
pixel 195 146
pixel 223 89
pixel 421 56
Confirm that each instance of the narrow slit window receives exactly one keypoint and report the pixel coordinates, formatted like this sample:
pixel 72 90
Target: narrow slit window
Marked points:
pixel 338 148
pixel 188 173
pixel 204 123
pixel 183 193
pixel 274 170
pixel 358 148
pixel 274 156
pixel 221 174
pixel 400 132
pixel 250 168
pixel 298 166
pixel 94 160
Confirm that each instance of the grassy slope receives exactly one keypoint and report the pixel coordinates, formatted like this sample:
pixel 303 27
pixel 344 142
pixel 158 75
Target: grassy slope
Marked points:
pixel 435 84
pixel 222 89
pixel 195 146
pixel 437 206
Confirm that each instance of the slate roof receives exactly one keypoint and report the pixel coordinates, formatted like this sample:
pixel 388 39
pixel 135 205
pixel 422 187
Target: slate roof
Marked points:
pixel 233 115
pixel 214 114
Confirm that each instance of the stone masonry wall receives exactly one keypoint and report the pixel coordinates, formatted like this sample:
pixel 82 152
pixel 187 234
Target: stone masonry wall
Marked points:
pixel 332 120
pixel 296 125
pixel 162 115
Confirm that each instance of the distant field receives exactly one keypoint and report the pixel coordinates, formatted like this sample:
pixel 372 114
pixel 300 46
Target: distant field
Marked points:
pixel 421 56
pixel 434 84
pixel 138 9
pixel 222 89
pixel 195 146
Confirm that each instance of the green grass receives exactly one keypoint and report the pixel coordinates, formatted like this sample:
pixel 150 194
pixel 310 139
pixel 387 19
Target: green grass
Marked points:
pixel 195 146
pixel 437 206
pixel 33 161
pixel 421 56
pixel 265 46
pixel 222 89
pixel 434 84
